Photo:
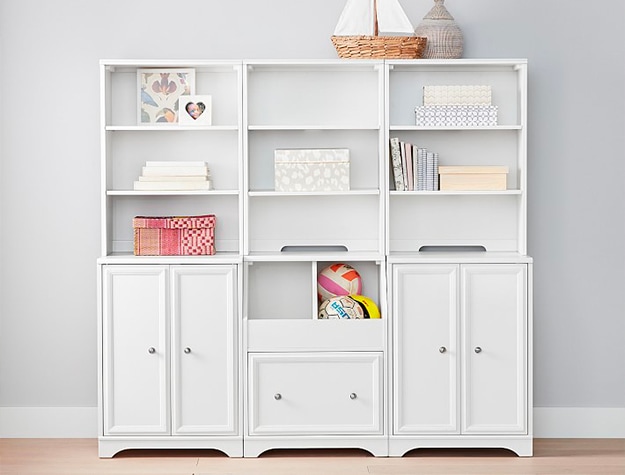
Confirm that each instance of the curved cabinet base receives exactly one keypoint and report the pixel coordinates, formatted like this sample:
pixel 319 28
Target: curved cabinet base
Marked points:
pixel 522 446
pixel 108 446
pixel 376 446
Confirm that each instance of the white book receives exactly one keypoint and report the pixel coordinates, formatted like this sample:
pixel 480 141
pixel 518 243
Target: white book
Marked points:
pixel 436 178
pixel 429 171
pixel 166 163
pixel 174 178
pixel 421 169
pixel 175 171
pixel 172 185
pixel 396 164
pixel 409 166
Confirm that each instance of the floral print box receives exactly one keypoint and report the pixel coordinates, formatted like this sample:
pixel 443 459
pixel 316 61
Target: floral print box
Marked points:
pixel 312 169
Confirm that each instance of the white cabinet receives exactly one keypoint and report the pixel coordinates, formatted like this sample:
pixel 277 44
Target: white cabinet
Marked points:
pixel 169 357
pixel 227 352
pixel 204 382
pixel 136 350
pixel 461 355
pixel 426 346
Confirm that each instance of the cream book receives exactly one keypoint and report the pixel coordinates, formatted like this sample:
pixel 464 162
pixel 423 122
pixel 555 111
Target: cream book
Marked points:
pixel 161 178
pixel 169 163
pixel 172 185
pixel 178 170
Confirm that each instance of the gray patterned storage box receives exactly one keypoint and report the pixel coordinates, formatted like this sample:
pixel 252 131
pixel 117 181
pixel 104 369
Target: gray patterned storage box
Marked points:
pixel 323 169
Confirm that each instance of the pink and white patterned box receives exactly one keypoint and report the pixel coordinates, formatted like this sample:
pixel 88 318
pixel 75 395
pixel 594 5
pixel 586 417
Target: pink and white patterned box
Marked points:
pixel 174 235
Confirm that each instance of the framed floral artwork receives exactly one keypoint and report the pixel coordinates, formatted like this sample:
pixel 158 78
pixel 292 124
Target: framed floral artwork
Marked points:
pixel 195 110
pixel 159 94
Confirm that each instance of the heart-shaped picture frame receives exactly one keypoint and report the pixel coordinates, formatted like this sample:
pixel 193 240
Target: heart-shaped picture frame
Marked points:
pixel 195 110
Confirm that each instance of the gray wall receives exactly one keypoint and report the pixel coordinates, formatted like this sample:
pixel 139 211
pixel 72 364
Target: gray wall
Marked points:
pixel 49 173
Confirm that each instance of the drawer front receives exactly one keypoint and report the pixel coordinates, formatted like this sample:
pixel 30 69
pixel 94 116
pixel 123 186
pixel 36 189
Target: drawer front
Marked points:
pixel 324 393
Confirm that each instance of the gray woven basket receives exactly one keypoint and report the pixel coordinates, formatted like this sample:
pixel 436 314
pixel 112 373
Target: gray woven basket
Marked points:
pixel 444 37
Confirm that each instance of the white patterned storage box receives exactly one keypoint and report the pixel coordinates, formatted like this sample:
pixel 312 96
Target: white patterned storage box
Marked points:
pixel 312 169
pixel 456 95
pixel 456 116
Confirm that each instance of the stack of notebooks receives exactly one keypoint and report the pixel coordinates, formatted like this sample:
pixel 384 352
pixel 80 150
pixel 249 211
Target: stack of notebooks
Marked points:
pixel 174 176
pixel 414 168
pixel 456 106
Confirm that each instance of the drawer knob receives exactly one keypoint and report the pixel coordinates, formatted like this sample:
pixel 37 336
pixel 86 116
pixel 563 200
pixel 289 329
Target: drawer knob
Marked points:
pixel 478 349
pixel 187 350
pixel 151 350
pixel 353 396
pixel 442 349
pixel 277 396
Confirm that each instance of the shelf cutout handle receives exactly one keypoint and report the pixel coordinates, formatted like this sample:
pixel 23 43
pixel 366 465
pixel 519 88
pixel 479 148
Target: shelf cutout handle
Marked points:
pixel 338 248
pixel 452 249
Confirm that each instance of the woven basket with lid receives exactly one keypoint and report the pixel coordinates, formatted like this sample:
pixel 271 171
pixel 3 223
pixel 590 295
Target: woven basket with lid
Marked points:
pixel 444 37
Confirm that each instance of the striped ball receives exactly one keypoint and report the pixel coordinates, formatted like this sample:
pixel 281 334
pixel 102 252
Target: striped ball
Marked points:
pixel 338 279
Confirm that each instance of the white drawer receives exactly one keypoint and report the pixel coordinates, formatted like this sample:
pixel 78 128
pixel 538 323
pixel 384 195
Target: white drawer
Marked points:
pixel 318 393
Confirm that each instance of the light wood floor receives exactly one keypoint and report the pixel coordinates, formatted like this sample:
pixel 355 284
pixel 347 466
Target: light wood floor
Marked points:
pixel 79 457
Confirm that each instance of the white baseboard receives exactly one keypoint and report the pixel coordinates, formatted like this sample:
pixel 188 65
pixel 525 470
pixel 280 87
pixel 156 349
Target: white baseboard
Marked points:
pixel 49 422
pixel 82 422
pixel 579 422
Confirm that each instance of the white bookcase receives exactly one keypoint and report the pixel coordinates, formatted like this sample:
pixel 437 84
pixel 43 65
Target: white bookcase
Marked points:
pixel 169 335
pixel 459 277
pixel 296 362
pixel 286 379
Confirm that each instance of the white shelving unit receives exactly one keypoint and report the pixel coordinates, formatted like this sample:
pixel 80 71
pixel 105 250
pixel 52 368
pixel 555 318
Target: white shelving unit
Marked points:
pixel 286 379
pixel 169 327
pixel 459 277
pixel 294 359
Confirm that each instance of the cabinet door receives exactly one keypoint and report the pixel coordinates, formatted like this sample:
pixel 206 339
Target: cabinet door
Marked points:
pixel 203 349
pixel 315 393
pixel 135 350
pixel 494 370
pixel 425 309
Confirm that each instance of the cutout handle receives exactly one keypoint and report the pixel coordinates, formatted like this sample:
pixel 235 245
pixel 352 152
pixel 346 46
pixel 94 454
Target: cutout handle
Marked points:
pixel 337 248
pixel 477 248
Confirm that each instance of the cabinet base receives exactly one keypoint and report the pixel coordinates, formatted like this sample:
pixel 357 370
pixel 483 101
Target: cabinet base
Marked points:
pixel 109 446
pixel 376 446
pixel 522 445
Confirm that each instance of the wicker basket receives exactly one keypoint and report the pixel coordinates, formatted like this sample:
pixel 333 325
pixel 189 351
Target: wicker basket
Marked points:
pixel 379 47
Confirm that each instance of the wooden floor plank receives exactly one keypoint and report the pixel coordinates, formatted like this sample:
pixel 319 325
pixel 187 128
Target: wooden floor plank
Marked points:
pixel 80 457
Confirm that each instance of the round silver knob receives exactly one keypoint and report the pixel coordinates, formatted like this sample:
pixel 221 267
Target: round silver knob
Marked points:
pixel 277 396
pixel 187 350
pixel 353 396
pixel 478 349
pixel 442 349
pixel 151 350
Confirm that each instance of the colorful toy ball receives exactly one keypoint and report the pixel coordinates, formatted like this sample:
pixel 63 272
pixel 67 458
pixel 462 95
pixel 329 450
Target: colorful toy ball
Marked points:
pixel 341 307
pixel 369 307
pixel 338 279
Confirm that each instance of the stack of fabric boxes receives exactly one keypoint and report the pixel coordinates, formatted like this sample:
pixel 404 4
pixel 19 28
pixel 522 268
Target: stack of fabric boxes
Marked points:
pixel 456 106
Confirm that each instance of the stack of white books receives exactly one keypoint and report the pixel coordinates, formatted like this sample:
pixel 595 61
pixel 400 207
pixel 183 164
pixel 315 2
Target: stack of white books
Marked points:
pixel 174 176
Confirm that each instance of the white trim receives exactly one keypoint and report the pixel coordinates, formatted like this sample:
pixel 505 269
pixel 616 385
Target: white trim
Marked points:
pixel 82 422
pixel 579 422
pixel 48 422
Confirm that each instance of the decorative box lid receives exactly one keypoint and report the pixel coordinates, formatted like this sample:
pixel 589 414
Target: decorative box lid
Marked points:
pixel 174 222
pixel 445 170
pixel 311 155
pixel 457 95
